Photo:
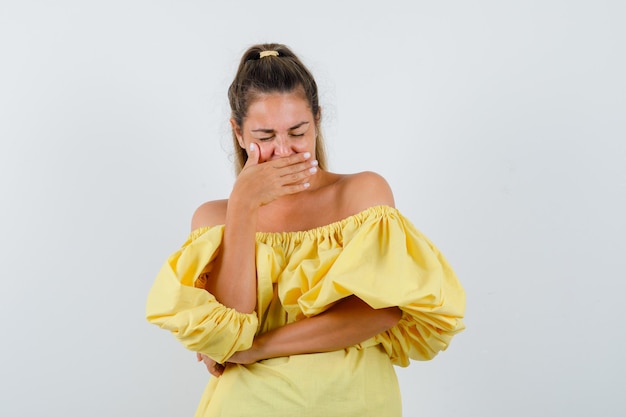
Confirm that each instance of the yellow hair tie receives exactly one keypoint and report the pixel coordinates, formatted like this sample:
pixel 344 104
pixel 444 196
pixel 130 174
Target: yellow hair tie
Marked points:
pixel 263 54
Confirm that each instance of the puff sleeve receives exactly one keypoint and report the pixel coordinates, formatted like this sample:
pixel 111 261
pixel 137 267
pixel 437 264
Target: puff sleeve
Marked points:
pixel 193 315
pixel 386 262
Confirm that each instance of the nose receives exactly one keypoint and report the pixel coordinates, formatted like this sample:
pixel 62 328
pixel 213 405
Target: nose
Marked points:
pixel 282 147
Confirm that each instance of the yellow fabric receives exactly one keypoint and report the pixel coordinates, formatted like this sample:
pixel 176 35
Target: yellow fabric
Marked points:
pixel 377 255
pixel 192 314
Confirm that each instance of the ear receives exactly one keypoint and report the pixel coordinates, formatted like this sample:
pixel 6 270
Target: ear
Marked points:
pixel 318 116
pixel 237 131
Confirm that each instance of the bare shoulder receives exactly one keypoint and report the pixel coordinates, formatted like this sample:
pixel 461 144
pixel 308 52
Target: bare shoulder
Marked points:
pixel 363 190
pixel 211 213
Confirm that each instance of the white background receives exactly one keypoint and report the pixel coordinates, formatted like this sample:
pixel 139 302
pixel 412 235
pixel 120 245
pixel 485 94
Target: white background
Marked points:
pixel 499 125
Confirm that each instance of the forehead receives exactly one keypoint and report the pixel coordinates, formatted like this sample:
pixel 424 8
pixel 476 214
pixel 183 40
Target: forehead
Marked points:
pixel 278 111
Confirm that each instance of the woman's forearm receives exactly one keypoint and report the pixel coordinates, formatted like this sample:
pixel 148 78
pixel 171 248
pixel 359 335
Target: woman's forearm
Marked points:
pixel 233 279
pixel 349 322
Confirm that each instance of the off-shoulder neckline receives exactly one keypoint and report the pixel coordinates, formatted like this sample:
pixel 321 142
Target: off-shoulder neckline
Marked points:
pixel 358 217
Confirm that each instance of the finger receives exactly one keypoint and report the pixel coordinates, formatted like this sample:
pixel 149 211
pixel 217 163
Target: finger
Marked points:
pixel 253 155
pixel 216 370
pixel 213 367
pixel 298 174
pixel 296 158
pixel 295 188
pixel 198 356
pixel 208 364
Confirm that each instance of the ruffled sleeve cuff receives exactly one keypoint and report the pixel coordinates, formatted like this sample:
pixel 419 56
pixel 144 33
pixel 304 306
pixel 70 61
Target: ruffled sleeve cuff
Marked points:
pixel 192 314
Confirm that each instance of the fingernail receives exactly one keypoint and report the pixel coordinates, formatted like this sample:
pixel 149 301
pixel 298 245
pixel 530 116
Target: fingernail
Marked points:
pixel 306 185
pixel 307 155
pixel 314 163
pixel 252 147
pixel 313 170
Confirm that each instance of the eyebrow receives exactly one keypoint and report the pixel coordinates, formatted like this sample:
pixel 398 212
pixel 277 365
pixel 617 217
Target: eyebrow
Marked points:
pixel 272 130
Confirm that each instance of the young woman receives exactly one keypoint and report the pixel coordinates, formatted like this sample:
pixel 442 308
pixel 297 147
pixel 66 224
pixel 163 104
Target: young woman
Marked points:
pixel 303 289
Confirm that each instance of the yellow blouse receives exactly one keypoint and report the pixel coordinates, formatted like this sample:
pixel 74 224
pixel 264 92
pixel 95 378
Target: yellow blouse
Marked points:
pixel 376 254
